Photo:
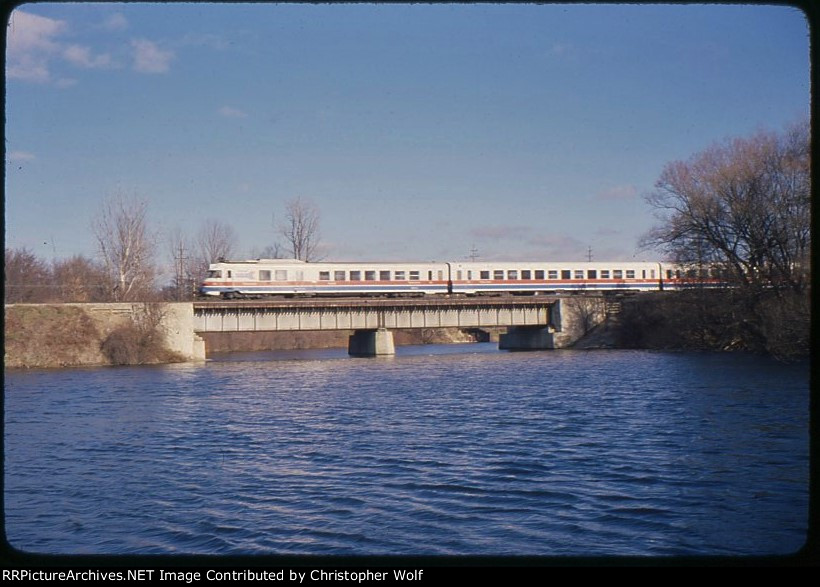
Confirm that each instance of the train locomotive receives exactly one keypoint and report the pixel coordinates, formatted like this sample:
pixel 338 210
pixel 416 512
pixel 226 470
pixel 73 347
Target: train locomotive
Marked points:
pixel 291 277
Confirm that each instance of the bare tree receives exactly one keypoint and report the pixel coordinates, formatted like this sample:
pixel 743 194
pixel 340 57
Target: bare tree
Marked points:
pixel 79 279
pixel 126 247
pixel 301 229
pixel 216 240
pixel 27 277
pixel 273 251
pixel 743 205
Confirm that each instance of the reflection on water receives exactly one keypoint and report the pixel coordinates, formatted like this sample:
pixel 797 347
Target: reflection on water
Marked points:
pixel 457 449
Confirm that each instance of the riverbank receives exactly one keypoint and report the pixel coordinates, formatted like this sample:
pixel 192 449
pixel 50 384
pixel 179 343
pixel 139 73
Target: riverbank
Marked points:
pixel 770 322
pixel 79 335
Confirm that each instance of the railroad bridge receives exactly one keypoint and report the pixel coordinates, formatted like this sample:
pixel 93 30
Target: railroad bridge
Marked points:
pixel 533 322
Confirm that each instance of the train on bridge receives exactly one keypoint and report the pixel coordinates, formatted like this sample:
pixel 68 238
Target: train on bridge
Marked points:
pixel 291 277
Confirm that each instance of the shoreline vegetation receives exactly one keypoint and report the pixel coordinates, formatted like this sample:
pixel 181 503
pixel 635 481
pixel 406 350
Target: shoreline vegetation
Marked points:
pixel 55 336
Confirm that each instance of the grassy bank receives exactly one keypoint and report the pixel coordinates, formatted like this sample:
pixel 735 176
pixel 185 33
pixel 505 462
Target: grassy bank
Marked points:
pixel 56 335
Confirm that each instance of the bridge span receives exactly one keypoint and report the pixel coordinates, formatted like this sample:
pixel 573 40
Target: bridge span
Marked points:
pixel 533 322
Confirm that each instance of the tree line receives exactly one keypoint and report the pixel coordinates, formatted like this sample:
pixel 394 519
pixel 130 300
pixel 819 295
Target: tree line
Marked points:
pixel 129 259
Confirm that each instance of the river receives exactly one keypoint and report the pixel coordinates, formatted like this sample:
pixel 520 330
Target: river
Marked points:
pixel 440 450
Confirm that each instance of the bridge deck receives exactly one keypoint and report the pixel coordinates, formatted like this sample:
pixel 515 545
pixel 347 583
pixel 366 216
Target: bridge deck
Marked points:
pixel 363 314
pixel 362 303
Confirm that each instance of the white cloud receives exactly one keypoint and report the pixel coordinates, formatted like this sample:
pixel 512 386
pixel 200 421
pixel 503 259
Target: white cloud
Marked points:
pixel 560 247
pixel 230 112
pixel 31 44
pixel 149 58
pixel 82 57
pixel 20 156
pixel 115 22
pixel 30 68
pixel 65 82
pixel 499 232
pixel 607 231
pixel 29 32
pixel 620 192
pixel 34 44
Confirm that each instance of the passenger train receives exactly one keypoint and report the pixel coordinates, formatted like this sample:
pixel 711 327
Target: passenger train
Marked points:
pixel 290 277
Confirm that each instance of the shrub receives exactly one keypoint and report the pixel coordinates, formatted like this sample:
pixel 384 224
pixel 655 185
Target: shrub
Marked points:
pixel 140 340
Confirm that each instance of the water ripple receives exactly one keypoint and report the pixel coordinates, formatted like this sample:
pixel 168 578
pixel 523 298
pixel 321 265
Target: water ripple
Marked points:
pixel 559 453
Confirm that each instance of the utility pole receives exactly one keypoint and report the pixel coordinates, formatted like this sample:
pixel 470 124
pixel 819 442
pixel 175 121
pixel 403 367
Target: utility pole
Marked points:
pixel 589 254
pixel 473 253
pixel 180 271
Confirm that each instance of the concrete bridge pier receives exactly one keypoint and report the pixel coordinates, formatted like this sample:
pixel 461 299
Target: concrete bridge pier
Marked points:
pixel 371 343
pixel 526 338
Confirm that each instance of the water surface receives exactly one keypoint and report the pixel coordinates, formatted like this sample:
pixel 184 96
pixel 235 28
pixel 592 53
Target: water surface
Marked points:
pixel 457 449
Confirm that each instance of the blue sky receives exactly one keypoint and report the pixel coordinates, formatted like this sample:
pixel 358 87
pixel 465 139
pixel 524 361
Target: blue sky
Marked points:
pixel 420 131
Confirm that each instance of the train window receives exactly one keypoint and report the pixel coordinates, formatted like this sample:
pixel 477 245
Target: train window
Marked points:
pixel 512 274
pixel 414 276
pixel 469 276
pixel 526 274
pixel 485 275
pixel 604 273
pixel 579 274
pixel 643 273
pixel 440 275
pixel 458 275
pixel 281 275
pixel 384 275
pixel 668 274
pixel 630 274
pixel 264 275
pixel 229 273
pixel 400 276
pixel 324 275
pixel 652 274
pixel 355 276
pixel 566 274
pixel 215 274
pixel 617 274
pixel 338 276
pixel 370 276
pixel 539 274
pixel 498 274
pixel 429 276
pixel 592 274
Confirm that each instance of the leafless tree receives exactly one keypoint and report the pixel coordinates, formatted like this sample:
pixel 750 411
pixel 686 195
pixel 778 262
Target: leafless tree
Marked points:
pixel 273 251
pixel 300 229
pixel 79 279
pixel 126 247
pixel 27 277
pixel 743 205
pixel 216 240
